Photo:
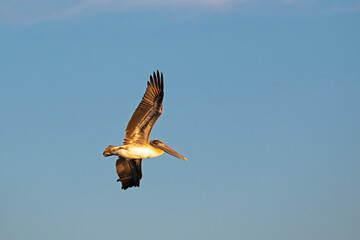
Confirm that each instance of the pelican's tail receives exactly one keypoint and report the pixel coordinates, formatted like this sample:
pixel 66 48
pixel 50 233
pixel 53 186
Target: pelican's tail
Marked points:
pixel 109 150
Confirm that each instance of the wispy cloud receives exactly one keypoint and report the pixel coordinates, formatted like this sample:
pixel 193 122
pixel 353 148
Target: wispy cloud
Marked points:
pixel 13 12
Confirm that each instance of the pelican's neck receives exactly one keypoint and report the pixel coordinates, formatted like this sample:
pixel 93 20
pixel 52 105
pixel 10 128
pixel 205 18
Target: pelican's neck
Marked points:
pixel 156 151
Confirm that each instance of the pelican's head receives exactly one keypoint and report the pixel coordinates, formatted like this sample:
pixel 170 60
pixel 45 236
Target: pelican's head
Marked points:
pixel 109 151
pixel 159 144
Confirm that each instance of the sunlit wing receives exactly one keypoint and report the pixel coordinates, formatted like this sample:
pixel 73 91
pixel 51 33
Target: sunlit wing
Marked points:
pixel 129 172
pixel 148 111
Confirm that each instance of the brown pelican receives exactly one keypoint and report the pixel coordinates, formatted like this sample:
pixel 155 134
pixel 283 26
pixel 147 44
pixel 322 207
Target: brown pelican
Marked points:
pixel 136 144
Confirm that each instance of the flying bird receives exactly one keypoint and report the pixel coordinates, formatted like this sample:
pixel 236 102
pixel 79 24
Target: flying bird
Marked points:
pixel 136 144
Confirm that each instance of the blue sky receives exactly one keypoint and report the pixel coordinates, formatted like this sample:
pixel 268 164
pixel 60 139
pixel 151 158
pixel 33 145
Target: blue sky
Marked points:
pixel 262 97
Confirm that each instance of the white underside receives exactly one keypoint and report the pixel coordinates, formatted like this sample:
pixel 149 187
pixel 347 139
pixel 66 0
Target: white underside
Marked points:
pixel 137 152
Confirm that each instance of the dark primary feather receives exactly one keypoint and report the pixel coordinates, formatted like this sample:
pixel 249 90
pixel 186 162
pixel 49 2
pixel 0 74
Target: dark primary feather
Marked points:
pixel 129 172
pixel 148 111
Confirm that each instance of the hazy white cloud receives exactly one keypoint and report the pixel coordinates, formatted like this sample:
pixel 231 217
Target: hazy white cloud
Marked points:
pixel 32 11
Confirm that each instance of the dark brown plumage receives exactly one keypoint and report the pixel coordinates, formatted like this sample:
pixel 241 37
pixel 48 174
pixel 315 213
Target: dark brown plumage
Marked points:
pixel 138 129
pixel 129 172
pixel 136 144
pixel 148 111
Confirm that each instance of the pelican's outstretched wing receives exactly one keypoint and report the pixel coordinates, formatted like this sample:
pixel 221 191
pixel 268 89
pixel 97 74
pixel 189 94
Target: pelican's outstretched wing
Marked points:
pixel 148 111
pixel 129 172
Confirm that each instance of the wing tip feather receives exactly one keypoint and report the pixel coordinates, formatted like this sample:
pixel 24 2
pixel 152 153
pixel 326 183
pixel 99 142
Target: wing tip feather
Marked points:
pixel 156 82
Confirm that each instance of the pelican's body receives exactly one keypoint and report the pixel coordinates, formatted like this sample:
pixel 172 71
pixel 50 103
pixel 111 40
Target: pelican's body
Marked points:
pixel 137 151
pixel 136 144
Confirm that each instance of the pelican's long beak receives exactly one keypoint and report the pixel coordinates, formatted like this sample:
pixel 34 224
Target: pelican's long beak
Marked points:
pixel 170 151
